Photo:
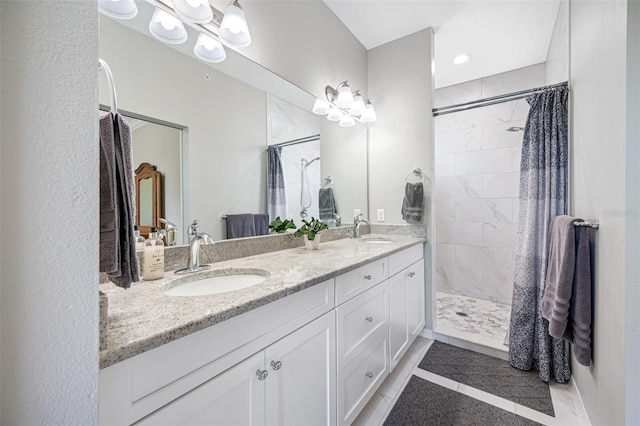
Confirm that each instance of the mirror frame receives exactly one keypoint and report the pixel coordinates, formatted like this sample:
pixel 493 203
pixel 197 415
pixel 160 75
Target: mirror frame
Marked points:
pixel 148 171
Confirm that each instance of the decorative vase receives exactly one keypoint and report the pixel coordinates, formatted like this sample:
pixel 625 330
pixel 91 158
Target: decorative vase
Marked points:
pixel 312 245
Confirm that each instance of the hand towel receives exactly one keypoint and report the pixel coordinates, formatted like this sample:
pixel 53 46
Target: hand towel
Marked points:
pixel 326 204
pixel 109 253
pixel 240 226
pixel 579 329
pixel 261 223
pixel 413 201
pixel 556 300
pixel 124 190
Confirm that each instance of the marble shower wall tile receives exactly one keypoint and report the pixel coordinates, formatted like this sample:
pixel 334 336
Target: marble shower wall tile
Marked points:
pixel 465 140
pixel 458 187
pixel 484 210
pixel 484 162
pixel 514 81
pixel 461 233
pixel 501 185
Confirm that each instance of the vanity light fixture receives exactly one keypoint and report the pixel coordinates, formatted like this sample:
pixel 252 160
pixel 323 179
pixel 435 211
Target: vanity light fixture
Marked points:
pixel 345 106
pixel 461 58
pixel 233 28
pixel 209 50
pixel 167 28
pixel 119 9
pixel 171 16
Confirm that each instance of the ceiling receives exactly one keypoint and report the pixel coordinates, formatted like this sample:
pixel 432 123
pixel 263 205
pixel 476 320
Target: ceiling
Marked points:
pixel 500 35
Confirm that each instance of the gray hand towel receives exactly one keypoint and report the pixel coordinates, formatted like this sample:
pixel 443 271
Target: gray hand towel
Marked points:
pixel 556 300
pixel 109 253
pixel 413 201
pixel 579 328
pixel 240 226
pixel 326 204
pixel 261 223
pixel 124 191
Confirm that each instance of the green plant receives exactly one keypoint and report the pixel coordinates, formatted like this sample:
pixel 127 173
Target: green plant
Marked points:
pixel 278 226
pixel 310 228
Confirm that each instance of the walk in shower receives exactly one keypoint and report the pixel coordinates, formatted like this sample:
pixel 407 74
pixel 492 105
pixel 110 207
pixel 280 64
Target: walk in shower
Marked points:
pixel 476 200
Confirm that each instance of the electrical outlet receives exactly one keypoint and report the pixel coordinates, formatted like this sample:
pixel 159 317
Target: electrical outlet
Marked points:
pixel 380 215
pixel 356 212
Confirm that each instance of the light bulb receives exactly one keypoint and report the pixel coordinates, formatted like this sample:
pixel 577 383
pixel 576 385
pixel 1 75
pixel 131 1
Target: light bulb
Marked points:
pixel 167 28
pixel 209 49
pixel 321 107
pixel 233 28
pixel 196 11
pixel 358 105
pixel 369 114
pixel 461 58
pixel 347 121
pixel 345 97
pixel 335 114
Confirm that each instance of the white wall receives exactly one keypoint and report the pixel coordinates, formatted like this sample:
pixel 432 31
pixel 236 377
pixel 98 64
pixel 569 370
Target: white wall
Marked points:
pixel 598 133
pixel 477 176
pixel 49 246
pixel 557 63
pixel 225 119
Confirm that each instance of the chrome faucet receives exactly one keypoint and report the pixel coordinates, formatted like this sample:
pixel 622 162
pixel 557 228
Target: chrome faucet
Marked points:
pixel 357 221
pixel 196 237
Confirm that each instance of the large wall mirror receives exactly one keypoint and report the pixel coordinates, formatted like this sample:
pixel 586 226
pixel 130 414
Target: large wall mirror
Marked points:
pixel 226 116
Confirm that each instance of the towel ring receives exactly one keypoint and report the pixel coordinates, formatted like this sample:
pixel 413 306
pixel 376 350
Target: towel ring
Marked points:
pixel 104 67
pixel 416 172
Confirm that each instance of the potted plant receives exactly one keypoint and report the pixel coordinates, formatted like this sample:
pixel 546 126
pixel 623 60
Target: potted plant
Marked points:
pixel 310 230
pixel 279 226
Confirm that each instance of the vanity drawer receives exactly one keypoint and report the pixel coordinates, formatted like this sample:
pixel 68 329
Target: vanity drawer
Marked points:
pixel 359 319
pixel 399 261
pixel 361 379
pixel 352 283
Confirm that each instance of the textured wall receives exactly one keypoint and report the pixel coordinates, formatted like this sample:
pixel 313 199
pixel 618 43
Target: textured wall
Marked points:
pixel 477 176
pixel 49 212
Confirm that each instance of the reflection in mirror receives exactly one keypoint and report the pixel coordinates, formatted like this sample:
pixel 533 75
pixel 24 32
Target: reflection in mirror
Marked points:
pixel 225 112
pixel 148 198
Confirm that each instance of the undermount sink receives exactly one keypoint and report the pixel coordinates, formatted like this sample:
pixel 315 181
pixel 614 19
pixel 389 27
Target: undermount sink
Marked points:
pixel 376 240
pixel 216 282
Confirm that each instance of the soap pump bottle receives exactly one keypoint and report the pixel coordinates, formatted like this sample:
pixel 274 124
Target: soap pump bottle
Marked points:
pixel 153 258
pixel 139 240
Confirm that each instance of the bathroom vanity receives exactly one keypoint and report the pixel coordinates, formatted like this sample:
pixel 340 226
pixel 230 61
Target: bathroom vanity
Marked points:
pixel 308 345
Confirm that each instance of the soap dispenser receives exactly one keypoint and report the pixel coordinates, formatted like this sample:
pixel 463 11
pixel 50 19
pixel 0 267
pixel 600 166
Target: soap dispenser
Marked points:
pixel 139 240
pixel 153 258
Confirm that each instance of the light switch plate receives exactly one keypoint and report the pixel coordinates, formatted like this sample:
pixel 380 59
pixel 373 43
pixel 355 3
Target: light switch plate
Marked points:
pixel 356 212
pixel 380 215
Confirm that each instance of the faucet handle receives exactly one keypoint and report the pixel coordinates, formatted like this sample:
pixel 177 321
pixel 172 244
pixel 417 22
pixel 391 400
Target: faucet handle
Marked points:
pixel 167 224
pixel 194 228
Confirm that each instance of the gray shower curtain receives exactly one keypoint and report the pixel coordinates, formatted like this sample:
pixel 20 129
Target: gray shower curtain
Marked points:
pixel 543 195
pixel 276 195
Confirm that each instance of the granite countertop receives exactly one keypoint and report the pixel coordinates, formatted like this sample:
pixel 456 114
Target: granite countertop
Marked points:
pixel 142 318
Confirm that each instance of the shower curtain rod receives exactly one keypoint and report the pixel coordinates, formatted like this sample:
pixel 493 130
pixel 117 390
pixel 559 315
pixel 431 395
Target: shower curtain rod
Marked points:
pixel 298 141
pixel 492 100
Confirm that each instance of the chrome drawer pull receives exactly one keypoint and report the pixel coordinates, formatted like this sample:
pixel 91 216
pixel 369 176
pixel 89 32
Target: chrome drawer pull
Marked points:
pixel 369 319
pixel 369 375
pixel 412 274
pixel 276 365
pixel 367 277
pixel 262 374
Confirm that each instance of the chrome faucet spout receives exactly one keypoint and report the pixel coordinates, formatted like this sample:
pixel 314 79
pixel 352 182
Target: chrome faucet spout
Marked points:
pixel 357 221
pixel 194 253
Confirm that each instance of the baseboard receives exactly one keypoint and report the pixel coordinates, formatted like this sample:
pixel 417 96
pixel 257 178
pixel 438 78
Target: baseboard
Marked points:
pixel 500 353
pixel 582 412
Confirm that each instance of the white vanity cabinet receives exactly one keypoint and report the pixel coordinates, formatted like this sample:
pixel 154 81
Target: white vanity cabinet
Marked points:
pixel 291 382
pixel 406 300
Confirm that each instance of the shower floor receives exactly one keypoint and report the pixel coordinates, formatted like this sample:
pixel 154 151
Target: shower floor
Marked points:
pixel 485 322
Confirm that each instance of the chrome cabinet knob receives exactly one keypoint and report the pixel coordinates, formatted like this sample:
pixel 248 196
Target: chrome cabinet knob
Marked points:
pixel 412 274
pixel 369 375
pixel 367 277
pixel 276 365
pixel 369 319
pixel 262 374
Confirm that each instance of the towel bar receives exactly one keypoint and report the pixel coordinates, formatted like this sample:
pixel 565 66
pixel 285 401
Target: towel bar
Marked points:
pixel 590 223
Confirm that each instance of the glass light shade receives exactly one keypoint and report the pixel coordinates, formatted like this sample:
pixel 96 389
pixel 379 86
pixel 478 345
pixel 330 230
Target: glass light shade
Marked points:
pixel 321 107
pixel 196 11
pixel 345 97
pixel 461 58
pixel 358 105
pixel 209 49
pixel 233 29
pixel 369 114
pixel 335 114
pixel 120 9
pixel 167 28
pixel 347 121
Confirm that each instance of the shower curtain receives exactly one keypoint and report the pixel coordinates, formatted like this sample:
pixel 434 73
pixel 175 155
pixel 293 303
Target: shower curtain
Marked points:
pixel 543 195
pixel 276 195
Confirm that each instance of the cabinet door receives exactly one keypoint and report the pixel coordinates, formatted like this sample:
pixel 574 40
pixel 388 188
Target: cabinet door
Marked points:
pixel 302 376
pixel 406 309
pixel 235 397
pixel 398 318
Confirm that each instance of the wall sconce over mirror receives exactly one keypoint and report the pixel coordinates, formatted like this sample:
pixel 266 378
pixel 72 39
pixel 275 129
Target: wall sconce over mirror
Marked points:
pixel 344 106
pixel 169 18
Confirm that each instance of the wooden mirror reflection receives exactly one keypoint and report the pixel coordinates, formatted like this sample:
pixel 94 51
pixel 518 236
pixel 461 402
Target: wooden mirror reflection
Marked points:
pixel 148 198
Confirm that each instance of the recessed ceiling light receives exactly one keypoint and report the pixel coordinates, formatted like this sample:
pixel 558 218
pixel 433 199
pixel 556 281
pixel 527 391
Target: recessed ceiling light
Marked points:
pixel 461 58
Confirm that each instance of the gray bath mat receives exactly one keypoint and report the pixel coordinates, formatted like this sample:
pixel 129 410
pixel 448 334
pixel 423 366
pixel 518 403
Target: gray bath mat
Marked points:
pixel 425 403
pixel 489 374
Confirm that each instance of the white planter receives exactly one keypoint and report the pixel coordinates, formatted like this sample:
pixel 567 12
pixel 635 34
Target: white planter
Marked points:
pixel 312 245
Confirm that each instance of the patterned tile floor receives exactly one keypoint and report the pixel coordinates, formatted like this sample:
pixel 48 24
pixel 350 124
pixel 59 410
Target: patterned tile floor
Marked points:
pixel 483 318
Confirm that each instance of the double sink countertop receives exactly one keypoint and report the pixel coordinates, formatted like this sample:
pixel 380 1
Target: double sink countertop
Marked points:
pixel 142 317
